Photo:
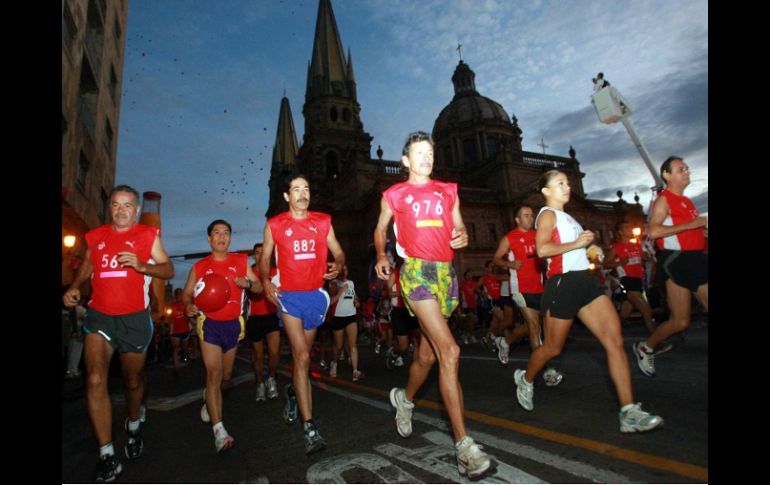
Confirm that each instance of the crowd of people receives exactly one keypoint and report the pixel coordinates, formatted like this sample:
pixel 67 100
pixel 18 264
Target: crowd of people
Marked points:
pixel 538 281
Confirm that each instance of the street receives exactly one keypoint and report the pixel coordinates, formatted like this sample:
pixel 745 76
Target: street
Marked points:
pixel 572 435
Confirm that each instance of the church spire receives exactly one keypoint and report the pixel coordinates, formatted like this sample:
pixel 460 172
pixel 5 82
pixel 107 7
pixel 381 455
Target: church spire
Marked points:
pixel 329 73
pixel 285 149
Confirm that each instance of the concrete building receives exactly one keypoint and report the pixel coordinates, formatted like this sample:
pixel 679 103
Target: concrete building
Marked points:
pixel 93 45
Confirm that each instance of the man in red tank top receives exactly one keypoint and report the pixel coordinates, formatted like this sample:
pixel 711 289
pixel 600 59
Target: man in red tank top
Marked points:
pixel 219 331
pixel 428 226
pixel 301 239
pixel 121 259
pixel 681 235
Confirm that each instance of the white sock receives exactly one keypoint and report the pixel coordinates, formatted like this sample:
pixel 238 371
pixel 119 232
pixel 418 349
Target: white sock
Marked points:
pixel 626 407
pixel 133 425
pixel 219 428
pixel 106 450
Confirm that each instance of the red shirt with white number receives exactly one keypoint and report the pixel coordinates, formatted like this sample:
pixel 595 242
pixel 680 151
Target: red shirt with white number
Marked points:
pixel 422 216
pixel 522 244
pixel 300 249
pixel 119 290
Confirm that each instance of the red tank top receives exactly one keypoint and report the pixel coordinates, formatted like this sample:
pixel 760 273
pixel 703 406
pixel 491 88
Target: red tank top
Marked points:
pixel 118 290
pixel 522 244
pixel 422 216
pixel 234 266
pixel 259 304
pixel 681 210
pixel 633 252
pixel 300 249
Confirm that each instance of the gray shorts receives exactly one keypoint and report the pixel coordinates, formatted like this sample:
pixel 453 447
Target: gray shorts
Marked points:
pixel 125 333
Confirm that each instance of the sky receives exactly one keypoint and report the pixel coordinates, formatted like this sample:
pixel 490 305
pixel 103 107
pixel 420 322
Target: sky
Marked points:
pixel 203 81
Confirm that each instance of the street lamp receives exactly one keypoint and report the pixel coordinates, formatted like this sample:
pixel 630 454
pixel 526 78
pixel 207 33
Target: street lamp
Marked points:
pixel 69 241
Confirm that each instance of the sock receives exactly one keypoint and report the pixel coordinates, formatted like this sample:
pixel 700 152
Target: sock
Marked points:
pixel 106 450
pixel 308 422
pixel 219 428
pixel 626 407
pixel 133 425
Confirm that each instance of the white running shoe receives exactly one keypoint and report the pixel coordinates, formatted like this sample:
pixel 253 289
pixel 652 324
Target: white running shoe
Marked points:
pixel 634 420
pixel 261 395
pixel 471 461
pixel 272 388
pixel 502 349
pixel 205 414
pixel 552 377
pixel 524 390
pixel 403 411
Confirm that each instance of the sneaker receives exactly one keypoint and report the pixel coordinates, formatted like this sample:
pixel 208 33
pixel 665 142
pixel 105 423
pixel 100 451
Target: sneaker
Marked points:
pixel 552 377
pixel 333 369
pixel 108 469
pixel 524 390
pixel 487 343
pixel 342 355
pixel 142 413
pixel 272 388
pixel 324 365
pixel 634 419
pixel 377 348
pixel 261 392
pixel 390 358
pixel 71 375
pixel 471 460
pixel 223 441
pixel 663 348
pixel 399 361
pixel 205 413
pixel 134 442
pixel 502 349
pixel 290 409
pixel 357 375
pixel 465 339
pixel 646 360
pixel 473 340
pixel 313 440
pixel 403 411
pixel 411 347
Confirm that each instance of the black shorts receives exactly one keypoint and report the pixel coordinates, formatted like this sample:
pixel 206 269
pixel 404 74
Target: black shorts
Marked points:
pixel 688 269
pixel 506 301
pixel 125 333
pixel 339 323
pixel 258 326
pixel 631 284
pixel 528 300
pixel 567 293
pixel 403 322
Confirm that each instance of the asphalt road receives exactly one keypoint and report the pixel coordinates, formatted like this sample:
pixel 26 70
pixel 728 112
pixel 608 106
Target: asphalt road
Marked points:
pixel 571 436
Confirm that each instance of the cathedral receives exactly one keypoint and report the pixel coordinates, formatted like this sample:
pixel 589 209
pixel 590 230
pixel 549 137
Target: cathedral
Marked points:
pixel 477 145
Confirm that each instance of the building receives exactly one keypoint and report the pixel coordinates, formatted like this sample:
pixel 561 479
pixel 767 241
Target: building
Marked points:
pixel 477 145
pixel 93 45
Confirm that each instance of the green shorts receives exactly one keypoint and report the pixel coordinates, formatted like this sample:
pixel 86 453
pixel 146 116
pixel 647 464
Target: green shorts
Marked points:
pixel 430 280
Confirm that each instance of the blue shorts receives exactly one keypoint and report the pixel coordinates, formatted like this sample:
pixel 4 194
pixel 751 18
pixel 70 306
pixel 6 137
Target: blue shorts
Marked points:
pixel 224 333
pixel 308 306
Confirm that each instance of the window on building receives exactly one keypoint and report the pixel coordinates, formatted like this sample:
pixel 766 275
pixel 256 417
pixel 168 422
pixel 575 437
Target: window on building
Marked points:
pixel 117 32
pixel 449 158
pixel 108 135
pixel 104 201
pixel 492 147
pixel 82 174
pixel 113 85
pixel 492 232
pixel 88 92
pixel 471 228
pixel 470 154
pixel 332 166
pixel 346 115
pixel 333 115
pixel 69 29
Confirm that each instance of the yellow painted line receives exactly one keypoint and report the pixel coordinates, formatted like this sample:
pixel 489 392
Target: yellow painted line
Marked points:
pixel 651 461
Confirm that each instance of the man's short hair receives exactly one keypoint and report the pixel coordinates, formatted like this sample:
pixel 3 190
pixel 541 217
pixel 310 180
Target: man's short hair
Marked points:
pixel 666 165
pixel 290 177
pixel 219 221
pixel 125 188
pixel 415 137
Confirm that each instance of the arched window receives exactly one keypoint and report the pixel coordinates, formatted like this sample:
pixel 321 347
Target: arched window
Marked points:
pixel 332 165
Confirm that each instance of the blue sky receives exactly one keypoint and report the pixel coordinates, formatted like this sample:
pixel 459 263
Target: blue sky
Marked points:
pixel 203 82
